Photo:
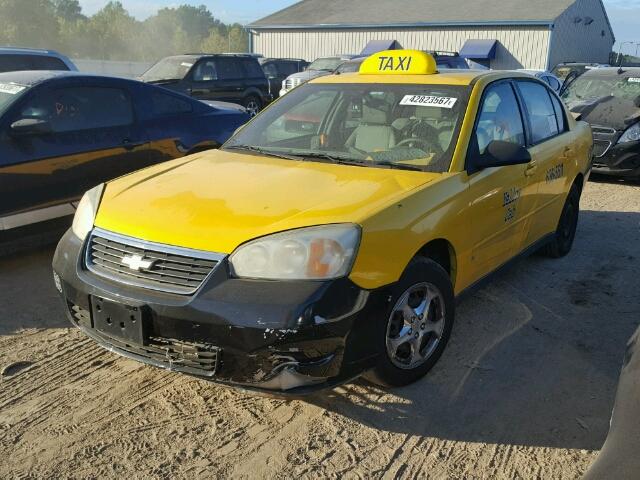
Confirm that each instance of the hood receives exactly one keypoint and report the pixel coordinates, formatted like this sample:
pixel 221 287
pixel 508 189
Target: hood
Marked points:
pixel 218 200
pixel 308 75
pixel 225 106
pixel 607 111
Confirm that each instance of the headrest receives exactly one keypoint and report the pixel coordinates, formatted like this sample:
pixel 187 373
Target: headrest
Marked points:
pixel 378 115
pixel 434 113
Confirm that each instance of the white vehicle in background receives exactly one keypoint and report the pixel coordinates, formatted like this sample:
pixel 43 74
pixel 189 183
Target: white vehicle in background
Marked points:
pixel 318 68
pixel 549 78
pixel 13 59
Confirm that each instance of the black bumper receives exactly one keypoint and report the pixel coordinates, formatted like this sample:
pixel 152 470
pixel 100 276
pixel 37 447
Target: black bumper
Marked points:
pixel 622 160
pixel 276 336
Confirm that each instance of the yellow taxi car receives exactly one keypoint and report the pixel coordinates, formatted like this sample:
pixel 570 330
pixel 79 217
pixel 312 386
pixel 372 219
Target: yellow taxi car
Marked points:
pixel 331 235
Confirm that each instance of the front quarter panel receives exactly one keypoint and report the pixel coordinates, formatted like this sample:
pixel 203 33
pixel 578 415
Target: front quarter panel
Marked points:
pixel 392 237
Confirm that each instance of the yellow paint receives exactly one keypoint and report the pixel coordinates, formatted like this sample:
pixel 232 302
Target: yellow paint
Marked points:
pixel 399 62
pixel 218 200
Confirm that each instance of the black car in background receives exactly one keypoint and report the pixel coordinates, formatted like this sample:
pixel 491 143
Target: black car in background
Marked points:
pixel 61 133
pixel 609 99
pixel 234 78
pixel 278 69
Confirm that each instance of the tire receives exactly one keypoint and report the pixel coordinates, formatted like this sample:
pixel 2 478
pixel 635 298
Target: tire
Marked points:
pixel 565 233
pixel 253 105
pixel 425 288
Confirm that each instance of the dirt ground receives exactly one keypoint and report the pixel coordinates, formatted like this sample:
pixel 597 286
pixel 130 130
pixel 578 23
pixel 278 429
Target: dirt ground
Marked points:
pixel 524 390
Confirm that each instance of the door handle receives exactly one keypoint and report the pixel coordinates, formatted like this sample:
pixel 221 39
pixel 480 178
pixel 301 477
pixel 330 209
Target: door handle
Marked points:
pixel 129 145
pixel 531 169
pixel 568 151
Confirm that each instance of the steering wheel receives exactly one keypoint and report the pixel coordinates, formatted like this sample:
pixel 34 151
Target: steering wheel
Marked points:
pixel 419 143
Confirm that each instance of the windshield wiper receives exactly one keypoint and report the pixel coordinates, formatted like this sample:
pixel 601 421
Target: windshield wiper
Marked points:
pixel 359 163
pixel 263 151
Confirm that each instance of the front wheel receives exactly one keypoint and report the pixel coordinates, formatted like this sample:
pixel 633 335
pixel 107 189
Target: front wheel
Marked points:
pixel 418 325
pixel 566 231
pixel 253 105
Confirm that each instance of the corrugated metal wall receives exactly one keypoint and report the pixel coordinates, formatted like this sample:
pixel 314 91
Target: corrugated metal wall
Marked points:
pixel 575 41
pixel 520 47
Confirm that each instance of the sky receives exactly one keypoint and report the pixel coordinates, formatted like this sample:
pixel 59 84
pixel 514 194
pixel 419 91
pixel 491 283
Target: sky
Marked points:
pixel 623 14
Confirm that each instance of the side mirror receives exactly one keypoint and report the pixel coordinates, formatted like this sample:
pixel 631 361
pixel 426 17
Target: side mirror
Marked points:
pixel 30 126
pixel 499 154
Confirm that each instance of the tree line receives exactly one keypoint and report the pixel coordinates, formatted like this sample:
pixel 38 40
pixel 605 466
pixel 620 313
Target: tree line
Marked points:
pixel 113 34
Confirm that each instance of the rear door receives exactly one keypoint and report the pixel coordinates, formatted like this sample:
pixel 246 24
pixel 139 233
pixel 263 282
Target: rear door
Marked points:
pixel 502 197
pixel 550 145
pixel 93 137
pixel 219 78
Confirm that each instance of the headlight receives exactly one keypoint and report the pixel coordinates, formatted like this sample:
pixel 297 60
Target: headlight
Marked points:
pixel 314 253
pixel 86 212
pixel 632 134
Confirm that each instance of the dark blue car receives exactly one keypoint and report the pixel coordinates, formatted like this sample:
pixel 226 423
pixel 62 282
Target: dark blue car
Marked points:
pixel 61 133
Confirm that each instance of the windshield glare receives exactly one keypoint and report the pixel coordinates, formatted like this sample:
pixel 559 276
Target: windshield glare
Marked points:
pixel 590 87
pixel 9 93
pixel 329 64
pixel 171 68
pixel 401 126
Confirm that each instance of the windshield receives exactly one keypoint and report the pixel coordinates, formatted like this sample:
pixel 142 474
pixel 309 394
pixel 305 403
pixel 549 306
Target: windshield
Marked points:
pixel 9 93
pixel 412 127
pixel 170 68
pixel 591 87
pixel 349 67
pixel 328 64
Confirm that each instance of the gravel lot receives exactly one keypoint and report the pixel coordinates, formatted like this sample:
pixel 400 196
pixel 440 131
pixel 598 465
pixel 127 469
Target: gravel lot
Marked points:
pixel 524 390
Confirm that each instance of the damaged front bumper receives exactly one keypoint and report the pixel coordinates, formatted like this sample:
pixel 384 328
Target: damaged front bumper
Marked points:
pixel 292 337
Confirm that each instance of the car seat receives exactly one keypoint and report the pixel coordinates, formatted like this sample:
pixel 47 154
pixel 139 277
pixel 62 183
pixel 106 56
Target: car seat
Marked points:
pixel 374 132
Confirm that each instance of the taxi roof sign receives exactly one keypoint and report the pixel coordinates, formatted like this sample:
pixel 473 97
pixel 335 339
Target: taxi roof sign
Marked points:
pixel 399 62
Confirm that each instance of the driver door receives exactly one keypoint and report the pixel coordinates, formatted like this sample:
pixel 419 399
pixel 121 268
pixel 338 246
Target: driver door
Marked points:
pixel 501 197
pixel 92 137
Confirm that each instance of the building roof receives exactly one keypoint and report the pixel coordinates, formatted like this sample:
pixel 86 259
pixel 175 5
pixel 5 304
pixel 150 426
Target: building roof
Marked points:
pixel 363 13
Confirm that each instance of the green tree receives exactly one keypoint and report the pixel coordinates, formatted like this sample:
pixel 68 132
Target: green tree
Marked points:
pixel 29 23
pixel 68 10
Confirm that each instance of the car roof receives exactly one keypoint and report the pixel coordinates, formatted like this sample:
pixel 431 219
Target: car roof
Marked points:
pixel 444 77
pixel 31 78
pixel 28 51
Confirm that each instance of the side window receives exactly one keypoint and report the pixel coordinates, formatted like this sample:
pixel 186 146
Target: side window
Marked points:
pixel 205 71
pixel 270 70
pixel 557 106
pixel 12 63
pixel 252 68
pixel 288 68
pixel 542 116
pixel 81 108
pixel 229 69
pixel 499 117
pixel 163 105
pixel 47 63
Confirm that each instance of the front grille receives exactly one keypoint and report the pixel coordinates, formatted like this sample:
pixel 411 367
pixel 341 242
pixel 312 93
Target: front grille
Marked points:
pixel 148 265
pixel 188 357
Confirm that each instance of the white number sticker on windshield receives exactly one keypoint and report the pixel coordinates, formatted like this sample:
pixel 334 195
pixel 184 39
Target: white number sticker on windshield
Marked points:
pixel 634 80
pixel 11 88
pixel 429 101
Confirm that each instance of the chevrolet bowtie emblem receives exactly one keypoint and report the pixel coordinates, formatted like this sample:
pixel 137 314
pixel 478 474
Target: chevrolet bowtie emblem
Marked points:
pixel 136 262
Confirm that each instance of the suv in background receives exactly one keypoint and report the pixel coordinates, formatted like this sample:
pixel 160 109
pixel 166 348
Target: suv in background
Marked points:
pixel 234 78
pixel 13 59
pixel 319 68
pixel 278 69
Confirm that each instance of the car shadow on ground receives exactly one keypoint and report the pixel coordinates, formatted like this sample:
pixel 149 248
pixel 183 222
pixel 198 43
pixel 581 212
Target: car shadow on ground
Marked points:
pixel 535 355
pixel 597 178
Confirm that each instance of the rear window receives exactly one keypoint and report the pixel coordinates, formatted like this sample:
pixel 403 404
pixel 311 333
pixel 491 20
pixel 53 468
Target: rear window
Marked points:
pixel 47 63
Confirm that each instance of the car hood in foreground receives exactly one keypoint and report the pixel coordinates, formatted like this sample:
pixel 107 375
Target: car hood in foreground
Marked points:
pixel 218 200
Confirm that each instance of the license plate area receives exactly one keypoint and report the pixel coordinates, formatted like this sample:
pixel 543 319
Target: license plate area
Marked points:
pixel 116 320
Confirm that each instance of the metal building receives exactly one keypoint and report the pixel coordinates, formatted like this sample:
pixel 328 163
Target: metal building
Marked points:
pixel 509 34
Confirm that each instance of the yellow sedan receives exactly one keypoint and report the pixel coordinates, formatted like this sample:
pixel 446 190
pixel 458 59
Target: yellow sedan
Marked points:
pixel 329 236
